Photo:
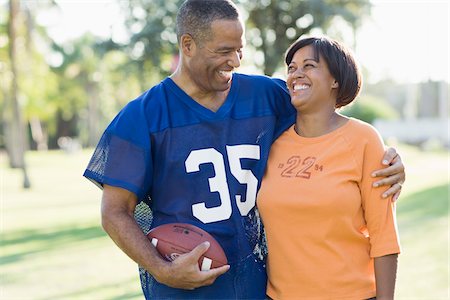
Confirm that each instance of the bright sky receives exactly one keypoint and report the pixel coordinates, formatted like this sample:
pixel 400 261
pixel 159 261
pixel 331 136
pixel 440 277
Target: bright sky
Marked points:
pixel 99 17
pixel 404 40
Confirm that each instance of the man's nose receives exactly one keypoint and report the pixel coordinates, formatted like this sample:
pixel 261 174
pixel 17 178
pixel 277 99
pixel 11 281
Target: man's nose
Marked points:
pixel 235 59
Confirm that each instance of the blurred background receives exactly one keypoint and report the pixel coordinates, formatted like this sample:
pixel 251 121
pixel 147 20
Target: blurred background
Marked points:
pixel 67 67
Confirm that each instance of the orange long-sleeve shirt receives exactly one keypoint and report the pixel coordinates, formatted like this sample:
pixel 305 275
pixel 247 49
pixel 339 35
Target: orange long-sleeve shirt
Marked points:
pixel 324 221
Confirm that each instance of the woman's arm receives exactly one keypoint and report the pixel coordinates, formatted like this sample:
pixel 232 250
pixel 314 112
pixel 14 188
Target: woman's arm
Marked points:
pixel 380 220
pixel 385 275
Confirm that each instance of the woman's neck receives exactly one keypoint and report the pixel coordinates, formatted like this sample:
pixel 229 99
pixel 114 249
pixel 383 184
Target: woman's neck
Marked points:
pixel 317 124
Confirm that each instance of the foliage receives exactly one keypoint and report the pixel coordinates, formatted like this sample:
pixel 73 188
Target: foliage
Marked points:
pixel 275 24
pixel 369 108
pixel 5 75
pixel 152 46
pixel 35 80
pixel 93 86
pixel 91 79
pixel 272 26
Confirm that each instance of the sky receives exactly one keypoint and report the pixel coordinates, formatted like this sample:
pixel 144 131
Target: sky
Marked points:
pixel 99 17
pixel 407 41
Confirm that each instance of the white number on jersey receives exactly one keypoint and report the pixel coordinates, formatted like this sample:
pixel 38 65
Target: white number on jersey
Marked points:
pixel 219 183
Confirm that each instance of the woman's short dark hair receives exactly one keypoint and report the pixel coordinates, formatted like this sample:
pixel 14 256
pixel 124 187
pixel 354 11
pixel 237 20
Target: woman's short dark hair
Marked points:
pixel 340 61
pixel 195 17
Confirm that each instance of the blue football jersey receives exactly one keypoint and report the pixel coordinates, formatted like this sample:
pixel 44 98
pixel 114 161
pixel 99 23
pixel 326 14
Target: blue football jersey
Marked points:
pixel 188 164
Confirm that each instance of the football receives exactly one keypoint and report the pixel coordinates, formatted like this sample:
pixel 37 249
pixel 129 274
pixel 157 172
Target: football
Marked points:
pixel 174 239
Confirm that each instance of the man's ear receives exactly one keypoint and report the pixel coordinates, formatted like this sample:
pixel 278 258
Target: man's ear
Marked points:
pixel 187 44
pixel 335 85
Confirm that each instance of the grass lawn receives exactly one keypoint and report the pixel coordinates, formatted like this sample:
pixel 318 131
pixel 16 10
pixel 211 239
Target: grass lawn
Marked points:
pixel 423 220
pixel 52 246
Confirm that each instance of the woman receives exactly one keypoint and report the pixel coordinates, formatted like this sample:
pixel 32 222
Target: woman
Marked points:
pixel 329 233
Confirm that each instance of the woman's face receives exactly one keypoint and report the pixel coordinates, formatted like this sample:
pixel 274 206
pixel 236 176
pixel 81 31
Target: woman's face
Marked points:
pixel 309 81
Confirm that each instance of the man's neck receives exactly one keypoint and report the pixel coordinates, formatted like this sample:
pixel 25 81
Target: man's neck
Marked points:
pixel 211 100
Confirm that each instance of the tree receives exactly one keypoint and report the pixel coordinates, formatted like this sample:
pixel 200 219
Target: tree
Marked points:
pixel 78 89
pixel 93 84
pixel 15 128
pixel 370 108
pixel 152 47
pixel 274 24
pixel 35 83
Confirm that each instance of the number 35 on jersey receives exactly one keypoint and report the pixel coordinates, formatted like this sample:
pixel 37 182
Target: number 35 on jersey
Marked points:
pixel 219 183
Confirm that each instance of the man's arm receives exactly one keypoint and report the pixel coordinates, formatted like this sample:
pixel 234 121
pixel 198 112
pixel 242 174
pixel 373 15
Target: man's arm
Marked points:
pixel 117 211
pixel 394 174
pixel 385 274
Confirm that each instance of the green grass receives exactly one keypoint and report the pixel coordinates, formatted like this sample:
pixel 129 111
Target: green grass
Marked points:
pixel 52 246
pixel 423 220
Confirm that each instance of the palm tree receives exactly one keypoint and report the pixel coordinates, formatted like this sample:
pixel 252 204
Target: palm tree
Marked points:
pixel 15 127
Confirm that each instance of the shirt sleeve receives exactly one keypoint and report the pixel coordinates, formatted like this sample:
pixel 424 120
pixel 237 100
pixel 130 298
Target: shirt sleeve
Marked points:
pixel 286 113
pixel 379 213
pixel 122 157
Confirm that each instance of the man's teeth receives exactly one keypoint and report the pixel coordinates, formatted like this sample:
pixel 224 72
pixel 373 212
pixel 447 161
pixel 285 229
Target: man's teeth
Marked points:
pixel 300 87
pixel 225 73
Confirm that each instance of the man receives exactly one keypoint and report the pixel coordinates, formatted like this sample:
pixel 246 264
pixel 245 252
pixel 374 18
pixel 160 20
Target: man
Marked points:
pixel 193 149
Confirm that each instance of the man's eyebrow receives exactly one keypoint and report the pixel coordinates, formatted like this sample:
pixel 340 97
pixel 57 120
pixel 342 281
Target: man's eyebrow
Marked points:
pixel 225 48
pixel 228 48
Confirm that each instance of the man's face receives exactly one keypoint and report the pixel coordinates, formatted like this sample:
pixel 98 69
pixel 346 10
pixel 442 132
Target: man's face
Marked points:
pixel 214 60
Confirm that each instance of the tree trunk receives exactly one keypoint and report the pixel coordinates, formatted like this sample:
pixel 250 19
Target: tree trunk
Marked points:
pixel 38 134
pixel 16 128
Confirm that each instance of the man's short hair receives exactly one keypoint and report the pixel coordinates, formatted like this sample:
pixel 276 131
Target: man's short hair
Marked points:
pixel 195 17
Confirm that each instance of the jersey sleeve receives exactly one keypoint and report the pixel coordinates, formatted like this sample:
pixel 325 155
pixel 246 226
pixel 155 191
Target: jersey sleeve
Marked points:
pixel 122 157
pixel 286 113
pixel 379 213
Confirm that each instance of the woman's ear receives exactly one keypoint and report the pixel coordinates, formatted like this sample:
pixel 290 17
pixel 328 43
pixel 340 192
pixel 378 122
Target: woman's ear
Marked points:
pixel 335 85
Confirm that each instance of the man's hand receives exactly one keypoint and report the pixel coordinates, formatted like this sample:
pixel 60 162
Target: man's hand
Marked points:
pixel 394 174
pixel 184 272
pixel 118 207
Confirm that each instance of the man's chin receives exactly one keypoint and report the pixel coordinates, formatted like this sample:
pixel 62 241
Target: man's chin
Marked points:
pixel 224 87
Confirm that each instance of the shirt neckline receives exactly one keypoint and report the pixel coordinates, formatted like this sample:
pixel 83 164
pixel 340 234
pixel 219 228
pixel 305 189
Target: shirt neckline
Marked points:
pixel 200 109
pixel 318 139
